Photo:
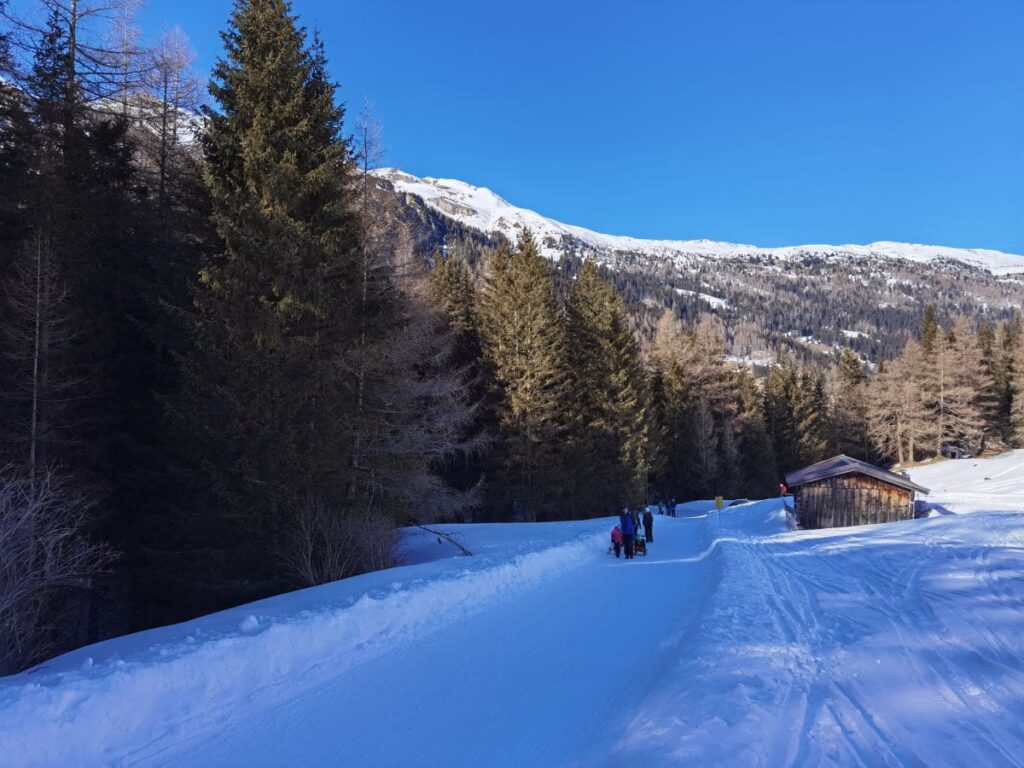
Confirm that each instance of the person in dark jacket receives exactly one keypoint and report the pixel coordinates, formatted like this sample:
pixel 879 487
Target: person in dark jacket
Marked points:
pixel 628 529
pixel 648 526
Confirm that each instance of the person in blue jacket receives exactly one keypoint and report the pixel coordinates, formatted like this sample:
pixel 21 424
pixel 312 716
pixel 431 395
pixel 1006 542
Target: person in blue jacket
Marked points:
pixel 628 528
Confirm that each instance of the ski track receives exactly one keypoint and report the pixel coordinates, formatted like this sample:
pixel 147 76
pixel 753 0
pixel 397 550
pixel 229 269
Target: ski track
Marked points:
pixel 798 622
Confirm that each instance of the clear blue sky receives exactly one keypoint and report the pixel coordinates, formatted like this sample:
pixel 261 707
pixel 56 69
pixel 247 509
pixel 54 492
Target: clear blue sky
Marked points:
pixel 763 121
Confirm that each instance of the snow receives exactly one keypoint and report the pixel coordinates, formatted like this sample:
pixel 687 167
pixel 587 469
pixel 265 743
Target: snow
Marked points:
pixel 968 485
pixel 854 334
pixel 714 301
pixel 482 209
pixel 736 641
pixel 758 357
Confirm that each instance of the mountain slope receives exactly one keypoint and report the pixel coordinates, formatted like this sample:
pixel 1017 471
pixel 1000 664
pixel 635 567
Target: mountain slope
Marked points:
pixel 482 209
pixel 809 300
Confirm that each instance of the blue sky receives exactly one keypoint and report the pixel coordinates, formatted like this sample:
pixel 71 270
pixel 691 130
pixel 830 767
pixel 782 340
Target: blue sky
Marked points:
pixel 770 122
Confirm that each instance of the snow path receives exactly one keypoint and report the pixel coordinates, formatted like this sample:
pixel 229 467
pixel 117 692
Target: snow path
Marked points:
pixel 528 698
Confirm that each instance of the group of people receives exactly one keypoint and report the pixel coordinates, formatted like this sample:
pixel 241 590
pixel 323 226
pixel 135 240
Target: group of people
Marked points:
pixel 627 533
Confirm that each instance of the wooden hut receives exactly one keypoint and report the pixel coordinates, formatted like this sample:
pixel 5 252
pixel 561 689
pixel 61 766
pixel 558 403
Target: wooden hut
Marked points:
pixel 842 491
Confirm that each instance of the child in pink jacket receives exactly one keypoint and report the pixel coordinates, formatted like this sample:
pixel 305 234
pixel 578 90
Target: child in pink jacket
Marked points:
pixel 617 540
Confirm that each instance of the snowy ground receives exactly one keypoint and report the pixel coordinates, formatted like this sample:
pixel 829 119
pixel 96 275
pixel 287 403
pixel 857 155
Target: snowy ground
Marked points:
pixel 734 642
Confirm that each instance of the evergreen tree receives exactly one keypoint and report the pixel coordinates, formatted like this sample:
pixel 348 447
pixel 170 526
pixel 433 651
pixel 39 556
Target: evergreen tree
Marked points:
pixel 757 476
pixel 850 406
pixel 1016 418
pixel 781 398
pixel 453 293
pixel 451 290
pixel 525 349
pixel 811 412
pixel 1005 372
pixel 270 399
pixel 610 434
pixel 929 333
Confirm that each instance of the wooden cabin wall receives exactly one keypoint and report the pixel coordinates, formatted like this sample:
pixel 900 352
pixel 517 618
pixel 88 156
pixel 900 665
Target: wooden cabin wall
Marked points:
pixel 851 500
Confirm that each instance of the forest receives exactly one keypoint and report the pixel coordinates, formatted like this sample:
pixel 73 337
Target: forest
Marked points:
pixel 230 370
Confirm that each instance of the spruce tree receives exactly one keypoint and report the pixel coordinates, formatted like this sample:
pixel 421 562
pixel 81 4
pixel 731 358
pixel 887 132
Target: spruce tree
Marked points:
pixel 850 407
pixel 270 398
pixel 525 349
pixel 929 332
pixel 1005 373
pixel 757 476
pixel 452 292
pixel 781 398
pixel 811 413
pixel 1016 417
pixel 610 401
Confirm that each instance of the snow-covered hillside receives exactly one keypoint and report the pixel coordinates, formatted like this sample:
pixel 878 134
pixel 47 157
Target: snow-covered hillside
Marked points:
pixel 735 641
pixel 482 209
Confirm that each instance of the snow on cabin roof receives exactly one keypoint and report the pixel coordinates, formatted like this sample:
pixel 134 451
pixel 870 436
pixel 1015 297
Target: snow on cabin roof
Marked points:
pixel 844 465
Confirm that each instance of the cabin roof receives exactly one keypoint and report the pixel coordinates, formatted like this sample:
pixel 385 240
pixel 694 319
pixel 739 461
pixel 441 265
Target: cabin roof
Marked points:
pixel 844 465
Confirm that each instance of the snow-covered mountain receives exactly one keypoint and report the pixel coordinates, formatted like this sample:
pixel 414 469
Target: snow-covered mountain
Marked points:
pixel 482 209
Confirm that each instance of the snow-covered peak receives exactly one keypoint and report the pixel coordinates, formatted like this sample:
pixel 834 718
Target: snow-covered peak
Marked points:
pixel 482 209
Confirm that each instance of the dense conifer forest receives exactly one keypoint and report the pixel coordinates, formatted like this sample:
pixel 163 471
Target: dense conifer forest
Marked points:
pixel 233 365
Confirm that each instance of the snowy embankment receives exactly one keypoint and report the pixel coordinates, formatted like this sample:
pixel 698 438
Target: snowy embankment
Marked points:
pixel 736 641
pixel 109 702
pixel 972 485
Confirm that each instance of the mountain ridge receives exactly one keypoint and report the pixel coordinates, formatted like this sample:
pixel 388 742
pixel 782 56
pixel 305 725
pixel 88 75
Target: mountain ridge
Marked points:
pixel 485 210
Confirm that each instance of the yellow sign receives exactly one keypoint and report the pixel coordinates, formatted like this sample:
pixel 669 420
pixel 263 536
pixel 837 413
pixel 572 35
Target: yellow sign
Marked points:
pixel 719 502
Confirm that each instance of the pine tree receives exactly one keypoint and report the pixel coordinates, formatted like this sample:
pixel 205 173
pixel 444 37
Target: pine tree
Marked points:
pixel 270 400
pixel 453 293
pixel 1016 418
pixel 1006 371
pixel 525 349
pixel 758 476
pixel 929 333
pixel 610 431
pixel 811 412
pixel 451 290
pixel 850 407
pixel 991 399
pixel 781 398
